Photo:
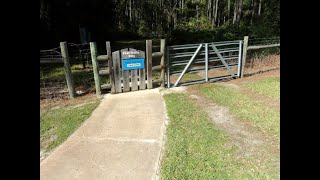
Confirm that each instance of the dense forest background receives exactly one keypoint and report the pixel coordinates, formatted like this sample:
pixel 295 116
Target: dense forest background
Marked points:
pixel 180 21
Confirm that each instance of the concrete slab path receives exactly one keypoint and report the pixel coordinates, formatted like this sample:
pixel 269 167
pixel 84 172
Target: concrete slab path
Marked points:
pixel 121 140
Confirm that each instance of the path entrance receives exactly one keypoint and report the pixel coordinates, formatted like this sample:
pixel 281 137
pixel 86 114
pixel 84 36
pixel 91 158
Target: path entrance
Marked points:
pixel 121 140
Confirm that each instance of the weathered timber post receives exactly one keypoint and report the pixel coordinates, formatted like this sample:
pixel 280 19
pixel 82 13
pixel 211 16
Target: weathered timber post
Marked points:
pixel 244 55
pixel 162 62
pixel 95 65
pixel 149 63
pixel 110 64
pixel 67 69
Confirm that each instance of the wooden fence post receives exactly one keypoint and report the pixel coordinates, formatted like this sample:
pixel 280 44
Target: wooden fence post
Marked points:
pixel 244 55
pixel 93 49
pixel 116 71
pixel 67 69
pixel 111 74
pixel 149 63
pixel 162 62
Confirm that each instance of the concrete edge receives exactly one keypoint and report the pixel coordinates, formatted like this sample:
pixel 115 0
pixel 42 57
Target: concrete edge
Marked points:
pixel 164 137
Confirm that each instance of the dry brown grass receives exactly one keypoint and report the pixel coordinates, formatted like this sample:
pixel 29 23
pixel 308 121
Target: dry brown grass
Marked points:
pixel 48 104
pixel 261 64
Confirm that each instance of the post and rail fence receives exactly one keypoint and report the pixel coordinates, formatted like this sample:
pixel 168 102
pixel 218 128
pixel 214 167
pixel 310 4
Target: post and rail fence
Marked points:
pixel 231 55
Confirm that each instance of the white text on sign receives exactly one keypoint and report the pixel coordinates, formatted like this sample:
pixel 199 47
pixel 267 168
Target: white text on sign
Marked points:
pixel 133 65
pixel 130 52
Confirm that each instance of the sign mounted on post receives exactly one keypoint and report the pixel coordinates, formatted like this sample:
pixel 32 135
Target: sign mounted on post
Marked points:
pixel 132 60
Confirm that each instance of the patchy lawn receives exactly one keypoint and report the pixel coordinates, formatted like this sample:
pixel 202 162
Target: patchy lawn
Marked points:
pixel 224 130
pixel 59 122
pixel 268 86
pixel 243 107
pixel 195 148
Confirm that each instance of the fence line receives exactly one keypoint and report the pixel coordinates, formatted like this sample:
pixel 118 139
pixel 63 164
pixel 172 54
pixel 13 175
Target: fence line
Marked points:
pixel 55 86
pixel 76 51
pixel 257 43
pixel 263 42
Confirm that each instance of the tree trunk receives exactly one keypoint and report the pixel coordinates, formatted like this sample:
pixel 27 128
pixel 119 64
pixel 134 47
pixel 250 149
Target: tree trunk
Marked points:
pixel 213 12
pixel 259 11
pixel 216 12
pixel 197 9
pixel 228 10
pixel 219 19
pixel 174 20
pixel 235 11
pixel 240 11
pixel 169 21
pixel 254 4
pixel 209 14
pixel 130 11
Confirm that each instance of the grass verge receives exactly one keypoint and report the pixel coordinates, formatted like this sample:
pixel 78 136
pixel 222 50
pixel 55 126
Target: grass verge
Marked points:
pixel 195 148
pixel 268 86
pixel 57 124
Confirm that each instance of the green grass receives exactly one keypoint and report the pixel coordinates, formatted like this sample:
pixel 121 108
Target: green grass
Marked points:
pixel 55 73
pixel 195 148
pixel 56 125
pixel 268 86
pixel 243 107
pixel 186 77
pixel 156 75
pixel 190 77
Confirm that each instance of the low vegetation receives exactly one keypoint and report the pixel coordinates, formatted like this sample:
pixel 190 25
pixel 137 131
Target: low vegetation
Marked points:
pixel 195 148
pixel 58 123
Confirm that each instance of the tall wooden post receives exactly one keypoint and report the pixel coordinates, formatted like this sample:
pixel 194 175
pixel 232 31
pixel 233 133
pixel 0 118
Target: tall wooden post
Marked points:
pixel 95 65
pixel 149 63
pixel 244 55
pixel 67 69
pixel 110 64
pixel 162 62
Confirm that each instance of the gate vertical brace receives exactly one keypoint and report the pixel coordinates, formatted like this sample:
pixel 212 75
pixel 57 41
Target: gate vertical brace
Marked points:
pixel 239 59
pixel 206 60
pixel 168 68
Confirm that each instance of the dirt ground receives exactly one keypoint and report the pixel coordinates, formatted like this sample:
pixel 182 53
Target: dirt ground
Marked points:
pixel 57 103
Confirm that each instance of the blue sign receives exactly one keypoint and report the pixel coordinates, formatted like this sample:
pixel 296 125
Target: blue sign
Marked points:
pixel 131 64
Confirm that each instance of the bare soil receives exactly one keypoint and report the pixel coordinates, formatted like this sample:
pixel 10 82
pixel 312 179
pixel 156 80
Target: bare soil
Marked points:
pixel 58 103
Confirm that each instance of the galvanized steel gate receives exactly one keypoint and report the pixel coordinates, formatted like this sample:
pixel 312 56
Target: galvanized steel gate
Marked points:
pixel 209 58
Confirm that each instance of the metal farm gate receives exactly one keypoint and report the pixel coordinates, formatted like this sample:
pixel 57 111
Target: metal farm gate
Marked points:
pixel 209 61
